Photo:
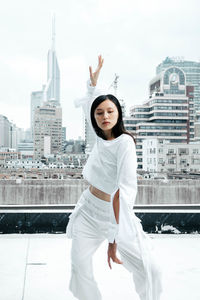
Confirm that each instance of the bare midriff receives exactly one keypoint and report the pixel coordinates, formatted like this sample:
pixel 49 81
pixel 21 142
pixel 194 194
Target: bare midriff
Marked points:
pixel 99 194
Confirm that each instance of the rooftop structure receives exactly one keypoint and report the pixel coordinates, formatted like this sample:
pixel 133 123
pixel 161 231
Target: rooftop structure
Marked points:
pixel 191 70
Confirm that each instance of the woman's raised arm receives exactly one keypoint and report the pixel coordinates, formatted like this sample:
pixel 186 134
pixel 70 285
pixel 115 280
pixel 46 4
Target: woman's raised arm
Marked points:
pixel 94 75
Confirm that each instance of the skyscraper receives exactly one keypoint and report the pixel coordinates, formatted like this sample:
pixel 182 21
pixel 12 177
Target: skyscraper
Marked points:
pixel 36 101
pixel 192 74
pixel 51 91
pixel 48 115
pixel 52 87
pixel 4 131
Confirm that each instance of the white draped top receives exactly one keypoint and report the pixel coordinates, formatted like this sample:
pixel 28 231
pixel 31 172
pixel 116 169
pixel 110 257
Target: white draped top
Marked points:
pixel 111 166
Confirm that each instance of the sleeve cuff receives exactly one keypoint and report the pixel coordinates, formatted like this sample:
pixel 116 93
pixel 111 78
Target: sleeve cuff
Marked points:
pixel 90 88
pixel 81 101
pixel 113 233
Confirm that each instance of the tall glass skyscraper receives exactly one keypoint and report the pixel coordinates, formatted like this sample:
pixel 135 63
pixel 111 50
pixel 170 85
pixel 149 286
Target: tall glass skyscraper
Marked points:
pixel 52 87
pixel 192 73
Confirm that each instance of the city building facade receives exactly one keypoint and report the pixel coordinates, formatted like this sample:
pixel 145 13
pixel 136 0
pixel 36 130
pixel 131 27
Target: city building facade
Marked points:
pixel 162 156
pixel 47 122
pixel 168 113
pixel 36 101
pixel 9 133
pixel 4 131
pixel 191 70
pixel 8 154
pixel 197 126
pixel 26 150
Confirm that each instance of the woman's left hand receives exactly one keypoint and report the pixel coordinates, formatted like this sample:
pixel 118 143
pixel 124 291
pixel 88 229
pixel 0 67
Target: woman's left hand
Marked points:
pixel 112 250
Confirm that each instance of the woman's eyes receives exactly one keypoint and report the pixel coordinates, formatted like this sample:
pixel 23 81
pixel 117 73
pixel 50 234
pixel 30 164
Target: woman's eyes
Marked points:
pixel 102 112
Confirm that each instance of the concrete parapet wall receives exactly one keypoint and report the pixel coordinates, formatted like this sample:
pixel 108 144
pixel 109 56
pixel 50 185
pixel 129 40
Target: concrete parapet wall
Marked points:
pixel 68 191
pixel 169 192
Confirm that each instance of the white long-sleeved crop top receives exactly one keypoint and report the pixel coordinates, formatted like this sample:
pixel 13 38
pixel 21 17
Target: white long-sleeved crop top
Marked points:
pixel 111 166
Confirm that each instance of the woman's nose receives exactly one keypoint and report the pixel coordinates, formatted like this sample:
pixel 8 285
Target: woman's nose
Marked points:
pixel 105 115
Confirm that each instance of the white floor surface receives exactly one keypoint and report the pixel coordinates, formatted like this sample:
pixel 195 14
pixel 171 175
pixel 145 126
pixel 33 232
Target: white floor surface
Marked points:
pixel 37 267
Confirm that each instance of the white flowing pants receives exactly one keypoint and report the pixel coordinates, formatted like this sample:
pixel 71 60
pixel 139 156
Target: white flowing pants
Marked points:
pixel 88 228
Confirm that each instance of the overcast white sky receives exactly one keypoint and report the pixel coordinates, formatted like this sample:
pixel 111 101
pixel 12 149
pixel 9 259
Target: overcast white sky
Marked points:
pixel 133 37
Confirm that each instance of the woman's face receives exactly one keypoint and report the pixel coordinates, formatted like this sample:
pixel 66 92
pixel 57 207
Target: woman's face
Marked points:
pixel 106 115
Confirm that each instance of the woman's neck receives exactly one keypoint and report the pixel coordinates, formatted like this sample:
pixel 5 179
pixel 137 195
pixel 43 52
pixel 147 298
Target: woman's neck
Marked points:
pixel 109 135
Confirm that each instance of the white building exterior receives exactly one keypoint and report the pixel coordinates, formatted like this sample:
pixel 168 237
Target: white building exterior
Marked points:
pixel 47 145
pixel 24 164
pixel 163 156
pixel 47 122
pixel 36 101
pixel 197 127
pixel 25 149
pixel 168 114
pixel 9 133
pixel 4 131
pixel 90 138
pixel 8 154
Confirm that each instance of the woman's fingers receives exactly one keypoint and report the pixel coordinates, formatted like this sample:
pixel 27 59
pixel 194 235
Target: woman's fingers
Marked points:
pixel 118 261
pixel 109 263
pixel 100 64
pixel 115 259
pixel 90 69
pixel 94 75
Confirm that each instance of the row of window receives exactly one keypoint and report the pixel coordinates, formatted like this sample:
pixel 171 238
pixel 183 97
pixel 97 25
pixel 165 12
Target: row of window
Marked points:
pixel 184 151
pixel 161 108
pixel 168 101
pixel 163 127
pixel 163 114
pixel 161 134
pixel 173 161
pixel 175 92
pixel 184 162
pixel 159 121
pixel 169 114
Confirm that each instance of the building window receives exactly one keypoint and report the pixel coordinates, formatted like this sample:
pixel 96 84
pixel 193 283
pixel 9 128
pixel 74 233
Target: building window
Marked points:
pixel 170 151
pixel 183 161
pixel 171 170
pixel 183 151
pixel 171 161
pixel 195 151
pixel 196 161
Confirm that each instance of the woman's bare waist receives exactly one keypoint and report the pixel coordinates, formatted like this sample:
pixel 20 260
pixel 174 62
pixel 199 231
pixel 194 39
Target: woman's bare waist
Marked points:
pixel 99 194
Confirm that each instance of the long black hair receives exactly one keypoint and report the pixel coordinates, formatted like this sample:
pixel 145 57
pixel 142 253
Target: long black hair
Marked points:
pixel 119 128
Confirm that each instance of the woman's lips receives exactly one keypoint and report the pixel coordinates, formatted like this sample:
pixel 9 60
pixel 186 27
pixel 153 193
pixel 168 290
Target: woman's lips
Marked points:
pixel 104 123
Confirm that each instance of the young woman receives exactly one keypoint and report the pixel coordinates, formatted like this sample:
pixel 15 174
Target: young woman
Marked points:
pixel 105 208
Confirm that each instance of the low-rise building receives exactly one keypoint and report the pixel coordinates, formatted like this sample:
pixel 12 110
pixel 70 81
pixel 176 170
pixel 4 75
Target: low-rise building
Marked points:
pixel 7 154
pixel 24 164
pixel 162 156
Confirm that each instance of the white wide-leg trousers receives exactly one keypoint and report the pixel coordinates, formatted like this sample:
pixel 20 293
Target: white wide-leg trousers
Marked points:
pixel 88 227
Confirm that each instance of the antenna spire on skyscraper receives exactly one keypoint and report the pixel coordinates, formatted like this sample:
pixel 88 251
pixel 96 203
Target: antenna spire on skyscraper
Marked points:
pixel 53 32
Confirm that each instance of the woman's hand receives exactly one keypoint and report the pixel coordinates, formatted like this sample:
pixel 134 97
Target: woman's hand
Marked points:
pixel 112 249
pixel 94 76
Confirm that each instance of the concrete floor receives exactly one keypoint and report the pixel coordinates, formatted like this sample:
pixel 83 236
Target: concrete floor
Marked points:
pixel 37 267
